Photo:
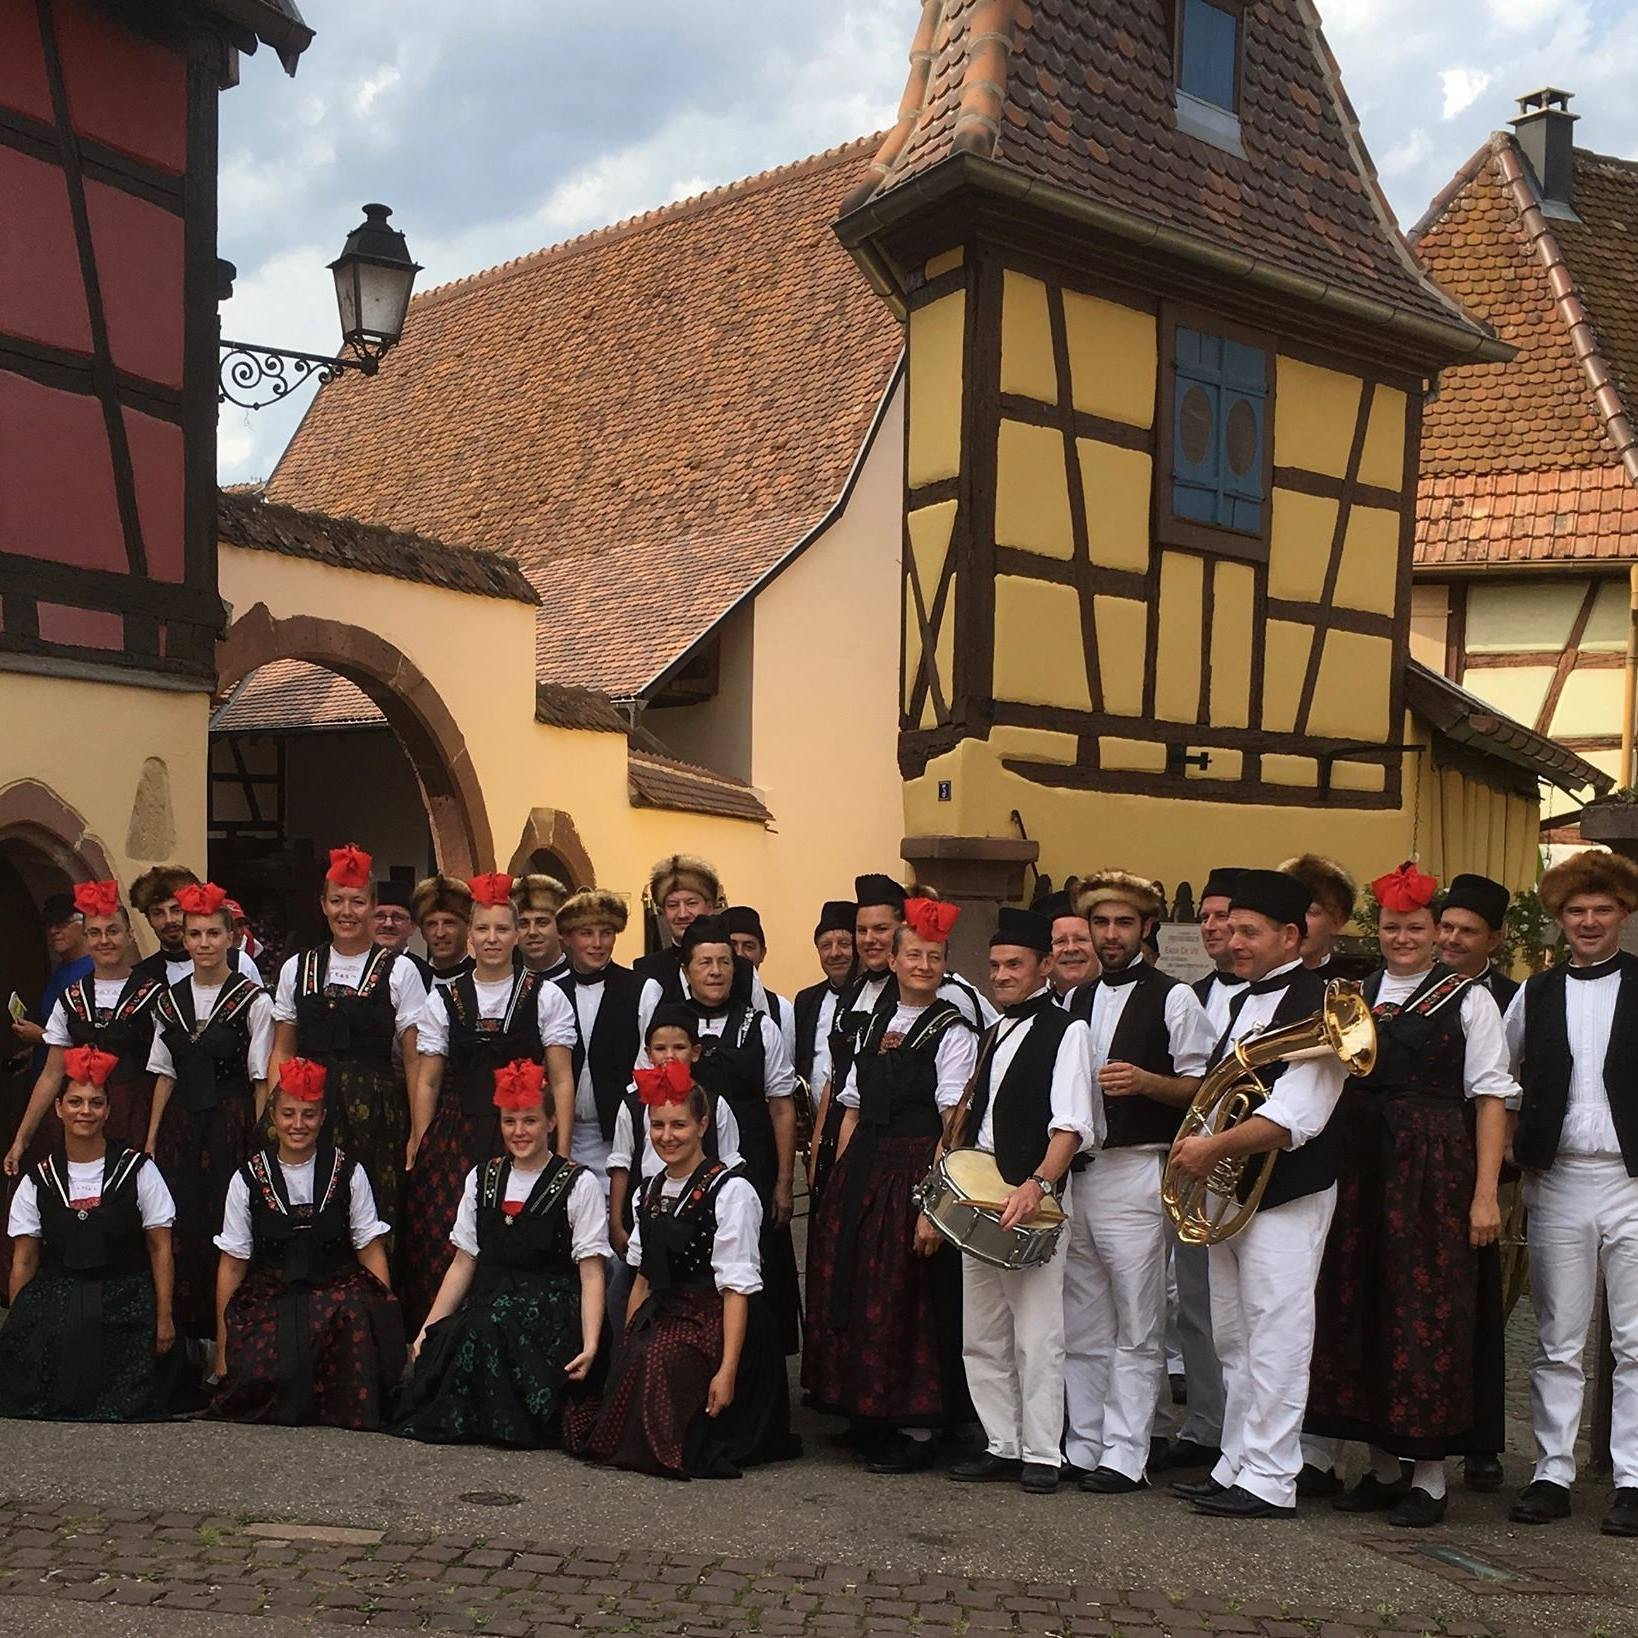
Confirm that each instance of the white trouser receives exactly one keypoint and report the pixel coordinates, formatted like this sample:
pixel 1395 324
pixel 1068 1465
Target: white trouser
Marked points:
pixel 1115 1311
pixel 1583 1215
pixel 1203 1423
pixel 1262 1312
pixel 1012 1344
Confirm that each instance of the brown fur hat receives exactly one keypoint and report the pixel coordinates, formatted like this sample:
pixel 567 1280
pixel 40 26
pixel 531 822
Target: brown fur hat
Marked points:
pixel 441 892
pixel 1104 885
pixel 538 892
pixel 592 907
pixel 1327 882
pixel 155 886
pixel 684 870
pixel 1592 871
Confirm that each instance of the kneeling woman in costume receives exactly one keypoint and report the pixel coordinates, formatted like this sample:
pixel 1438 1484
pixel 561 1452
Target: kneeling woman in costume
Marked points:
pixel 308 1330
pixel 90 1336
pixel 518 1316
pixel 698 1390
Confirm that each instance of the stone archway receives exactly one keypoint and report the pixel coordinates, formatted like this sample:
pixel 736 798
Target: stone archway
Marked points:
pixel 35 821
pixel 550 830
pixel 430 736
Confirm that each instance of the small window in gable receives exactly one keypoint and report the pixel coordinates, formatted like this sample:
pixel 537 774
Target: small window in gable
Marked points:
pixel 1208 51
pixel 1216 457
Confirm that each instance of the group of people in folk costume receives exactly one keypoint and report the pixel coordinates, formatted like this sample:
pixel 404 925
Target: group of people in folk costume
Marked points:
pixel 567 1185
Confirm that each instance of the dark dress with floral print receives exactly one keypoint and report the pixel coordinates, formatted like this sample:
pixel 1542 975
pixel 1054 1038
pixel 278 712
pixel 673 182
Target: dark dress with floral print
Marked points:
pixel 312 1335
pixel 1408 1336
pixel 492 1372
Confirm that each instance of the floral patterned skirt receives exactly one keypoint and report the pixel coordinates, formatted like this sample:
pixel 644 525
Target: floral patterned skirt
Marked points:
pixel 492 1373
pixel 1407 1351
pixel 369 1118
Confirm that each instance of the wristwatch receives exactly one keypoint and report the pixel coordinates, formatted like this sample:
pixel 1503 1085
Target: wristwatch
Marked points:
pixel 1050 1190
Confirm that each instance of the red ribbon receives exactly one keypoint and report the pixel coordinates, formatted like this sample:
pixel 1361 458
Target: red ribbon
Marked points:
pixel 350 866
pixel 670 1082
pixel 203 899
pixel 931 918
pixel 1405 889
pixel 302 1079
pixel 96 898
pixel 519 1085
pixel 89 1065
pixel 493 888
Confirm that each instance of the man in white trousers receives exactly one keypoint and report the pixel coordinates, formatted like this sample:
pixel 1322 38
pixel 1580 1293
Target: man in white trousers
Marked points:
pixel 1150 1046
pixel 1034 1107
pixel 1262 1280
pixel 1573 1035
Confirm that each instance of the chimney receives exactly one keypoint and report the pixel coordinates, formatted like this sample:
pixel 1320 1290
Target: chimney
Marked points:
pixel 1544 130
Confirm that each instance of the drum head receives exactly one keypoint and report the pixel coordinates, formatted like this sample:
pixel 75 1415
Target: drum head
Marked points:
pixel 977 1178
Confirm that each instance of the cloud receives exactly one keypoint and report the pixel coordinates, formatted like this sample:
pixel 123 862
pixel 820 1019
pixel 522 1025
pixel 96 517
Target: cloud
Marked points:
pixel 1463 87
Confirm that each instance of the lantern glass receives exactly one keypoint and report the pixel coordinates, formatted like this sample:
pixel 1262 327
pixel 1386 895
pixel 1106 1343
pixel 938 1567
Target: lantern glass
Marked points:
pixel 374 278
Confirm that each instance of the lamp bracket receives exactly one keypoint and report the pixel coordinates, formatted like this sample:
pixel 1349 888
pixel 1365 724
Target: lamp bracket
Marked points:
pixel 253 376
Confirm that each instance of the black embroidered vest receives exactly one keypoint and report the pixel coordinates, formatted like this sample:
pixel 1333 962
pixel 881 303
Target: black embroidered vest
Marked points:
pixel 306 1243
pixel 338 1024
pixel 127 1031
pixel 1421 1047
pixel 1142 1038
pixel 91 1242
pixel 732 1067
pixel 679 1236
pixel 637 1113
pixel 479 1046
pixel 615 1039
pixel 1023 1101
pixel 535 1238
pixel 212 1058
pixel 898 1085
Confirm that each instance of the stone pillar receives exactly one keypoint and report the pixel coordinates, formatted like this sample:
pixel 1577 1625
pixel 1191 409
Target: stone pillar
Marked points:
pixel 980 873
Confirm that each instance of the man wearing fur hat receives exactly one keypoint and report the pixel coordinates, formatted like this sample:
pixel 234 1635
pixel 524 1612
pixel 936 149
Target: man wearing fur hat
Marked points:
pixel 1150 1044
pixel 1331 897
pixel 682 888
pixel 612 1006
pixel 537 898
pixel 442 911
pixel 1573 1034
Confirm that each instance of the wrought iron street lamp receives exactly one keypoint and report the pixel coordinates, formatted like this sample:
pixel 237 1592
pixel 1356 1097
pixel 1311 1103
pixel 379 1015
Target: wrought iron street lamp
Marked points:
pixel 374 276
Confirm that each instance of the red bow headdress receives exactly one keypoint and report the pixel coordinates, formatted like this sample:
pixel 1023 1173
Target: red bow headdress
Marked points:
pixel 96 898
pixel 931 918
pixel 670 1082
pixel 201 899
pixel 89 1065
pixel 491 889
pixel 350 866
pixel 1405 889
pixel 519 1085
pixel 236 910
pixel 302 1079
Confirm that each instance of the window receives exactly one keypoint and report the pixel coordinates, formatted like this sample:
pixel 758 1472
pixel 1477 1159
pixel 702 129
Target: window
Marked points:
pixel 1208 51
pixel 1215 449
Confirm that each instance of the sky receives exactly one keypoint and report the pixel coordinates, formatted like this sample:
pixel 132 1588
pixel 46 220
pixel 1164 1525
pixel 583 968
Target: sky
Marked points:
pixel 493 127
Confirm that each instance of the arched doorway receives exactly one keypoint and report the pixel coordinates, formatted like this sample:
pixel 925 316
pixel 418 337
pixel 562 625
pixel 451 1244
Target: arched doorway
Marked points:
pixel 551 844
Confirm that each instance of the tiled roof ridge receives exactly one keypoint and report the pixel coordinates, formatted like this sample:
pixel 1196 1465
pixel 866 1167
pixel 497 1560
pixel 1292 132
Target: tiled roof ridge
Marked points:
pixel 1611 409
pixel 1620 162
pixel 661 215
pixel 669 760
pixel 911 104
pixel 1452 190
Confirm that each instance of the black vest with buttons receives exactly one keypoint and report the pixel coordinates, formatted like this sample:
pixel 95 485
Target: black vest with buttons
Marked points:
pixel 307 1243
pixel 346 1025
pixel 91 1242
pixel 615 1040
pixel 1142 1038
pixel 1023 1101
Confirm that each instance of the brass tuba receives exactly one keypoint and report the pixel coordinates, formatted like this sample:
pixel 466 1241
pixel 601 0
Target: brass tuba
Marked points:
pixel 1231 1091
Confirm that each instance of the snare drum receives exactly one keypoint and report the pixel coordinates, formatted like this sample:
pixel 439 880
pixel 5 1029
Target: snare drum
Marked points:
pixel 963 1197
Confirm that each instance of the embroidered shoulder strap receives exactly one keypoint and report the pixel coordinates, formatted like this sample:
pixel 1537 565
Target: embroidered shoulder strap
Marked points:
pixel 377 965
pixel 493 1180
pixel 551 1189
pixel 263 1178
pixel 125 1167
pixel 310 974
pixel 140 993
pixel 169 1011
pixel 1432 997
pixel 81 998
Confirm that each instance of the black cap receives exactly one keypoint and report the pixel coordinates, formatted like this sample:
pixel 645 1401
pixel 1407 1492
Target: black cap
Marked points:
pixel 1272 893
pixel 1028 929
pixel 878 889
pixel 395 893
pixel 1220 883
pixel 673 1015
pixel 838 916
pixel 742 919
pixel 705 930
pixel 1055 905
pixel 58 908
pixel 1480 895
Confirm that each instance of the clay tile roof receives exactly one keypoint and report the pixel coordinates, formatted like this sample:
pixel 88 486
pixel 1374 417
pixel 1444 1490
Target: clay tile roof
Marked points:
pixel 1079 95
pixel 563 707
pixel 649 418
pixel 1534 461
pixel 263 526
pixel 287 694
pixel 277 23
pixel 662 782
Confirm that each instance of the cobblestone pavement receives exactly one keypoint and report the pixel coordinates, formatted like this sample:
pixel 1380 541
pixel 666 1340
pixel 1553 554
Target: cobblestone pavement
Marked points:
pixel 519 1587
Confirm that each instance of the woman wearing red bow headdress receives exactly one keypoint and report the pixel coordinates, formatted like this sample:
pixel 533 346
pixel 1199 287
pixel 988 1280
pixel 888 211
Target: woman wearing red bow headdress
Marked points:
pixel 698 1389
pixel 90 1336
pixel 213 1036
pixel 111 1008
pixel 308 1330
pixel 884 1291
pixel 1408 1332
pixel 345 1004
pixel 519 1316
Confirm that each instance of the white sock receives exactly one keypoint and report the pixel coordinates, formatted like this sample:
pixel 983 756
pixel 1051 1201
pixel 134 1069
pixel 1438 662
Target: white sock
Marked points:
pixel 1429 1476
pixel 1384 1466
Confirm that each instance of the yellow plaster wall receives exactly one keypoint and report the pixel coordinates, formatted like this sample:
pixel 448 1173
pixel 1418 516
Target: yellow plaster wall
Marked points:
pixel 1113 356
pixel 1382 461
pixel 1368 576
pixel 1122 627
pixel 88 743
pixel 1038 649
pixel 1430 624
pixel 1589 705
pixel 1607 624
pixel 1534 614
pixel 935 362
pixel 1285 662
pixel 1520 691
pixel 1232 641
pixel 1032 490
pixel 1314 414
pixel 1027 365
pixel 1116 482
pixel 1351 691
pixel 1299 544
pixel 1177 670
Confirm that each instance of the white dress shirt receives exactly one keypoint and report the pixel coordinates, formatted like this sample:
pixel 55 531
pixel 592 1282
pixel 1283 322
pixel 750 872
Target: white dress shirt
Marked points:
pixel 588 1213
pixel 1306 1092
pixel 588 1002
pixel 723 1123
pixel 955 1053
pixel 1187 1026
pixel 1219 998
pixel 85 1191
pixel 821 1043
pixel 1486 1071
pixel 409 994
pixel 364 1221
pixel 736 1256
pixel 1077 1104
pixel 555 1020
pixel 1589 1014
pixel 259 1014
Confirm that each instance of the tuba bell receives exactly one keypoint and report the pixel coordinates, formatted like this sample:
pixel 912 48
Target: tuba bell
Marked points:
pixel 1207 1213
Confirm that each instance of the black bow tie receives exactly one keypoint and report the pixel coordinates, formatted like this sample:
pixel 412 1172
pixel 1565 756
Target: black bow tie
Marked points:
pixel 574 975
pixel 705 1011
pixel 1222 975
pixel 1598 969
pixel 1126 975
pixel 1028 1009
pixel 1274 981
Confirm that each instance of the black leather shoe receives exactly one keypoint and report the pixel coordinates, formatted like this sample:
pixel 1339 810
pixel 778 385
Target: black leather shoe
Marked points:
pixel 1315 1482
pixel 1482 1473
pixel 1180 1388
pixel 1371 1495
pixel 900 1454
pixel 1038 1478
pixel 1105 1481
pixel 1622 1518
pixel 1197 1489
pixel 1540 1502
pixel 1419 1511
pixel 1235 1503
pixel 985 1468
pixel 1186 1453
